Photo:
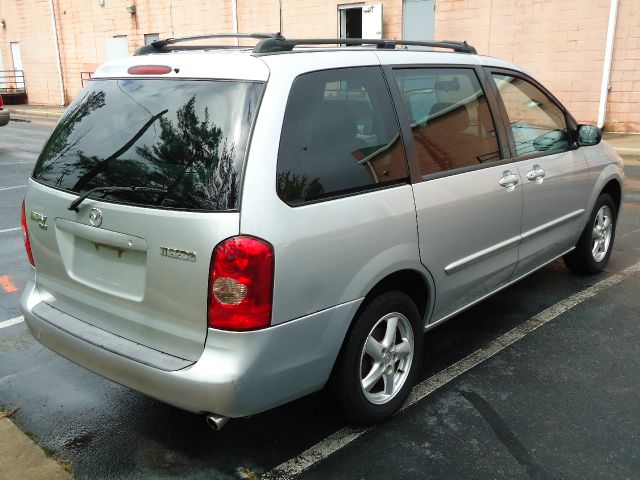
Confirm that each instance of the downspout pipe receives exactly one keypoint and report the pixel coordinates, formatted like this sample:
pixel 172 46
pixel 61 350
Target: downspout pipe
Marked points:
pixel 608 60
pixel 57 46
pixel 234 18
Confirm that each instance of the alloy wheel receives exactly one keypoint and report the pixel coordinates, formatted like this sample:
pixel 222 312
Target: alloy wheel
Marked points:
pixel 602 231
pixel 386 358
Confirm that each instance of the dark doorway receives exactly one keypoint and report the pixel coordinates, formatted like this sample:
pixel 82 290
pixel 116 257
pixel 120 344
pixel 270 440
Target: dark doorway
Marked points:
pixel 351 22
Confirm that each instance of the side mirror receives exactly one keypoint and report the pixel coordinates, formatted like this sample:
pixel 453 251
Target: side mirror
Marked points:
pixel 589 135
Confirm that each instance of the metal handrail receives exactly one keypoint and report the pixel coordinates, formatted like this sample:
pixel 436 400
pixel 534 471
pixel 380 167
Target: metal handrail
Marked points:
pixel 85 77
pixel 12 82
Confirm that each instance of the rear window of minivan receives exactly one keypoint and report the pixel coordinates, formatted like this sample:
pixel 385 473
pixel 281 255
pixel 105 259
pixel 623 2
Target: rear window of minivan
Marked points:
pixel 184 139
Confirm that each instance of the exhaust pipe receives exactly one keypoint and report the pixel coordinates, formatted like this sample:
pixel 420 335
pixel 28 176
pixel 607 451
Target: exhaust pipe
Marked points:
pixel 216 422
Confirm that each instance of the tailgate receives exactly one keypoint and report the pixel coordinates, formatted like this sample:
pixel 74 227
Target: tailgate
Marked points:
pixel 142 274
pixel 154 166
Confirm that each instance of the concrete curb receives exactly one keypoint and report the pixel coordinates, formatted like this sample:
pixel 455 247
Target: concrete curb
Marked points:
pixel 20 458
pixel 28 112
pixel 627 151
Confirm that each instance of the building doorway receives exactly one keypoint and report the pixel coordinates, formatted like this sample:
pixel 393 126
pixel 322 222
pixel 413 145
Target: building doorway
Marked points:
pixel 418 19
pixel 3 84
pixel 17 64
pixel 357 20
pixel 350 20
pixel 116 47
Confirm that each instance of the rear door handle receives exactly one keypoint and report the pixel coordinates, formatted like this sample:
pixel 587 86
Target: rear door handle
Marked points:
pixel 536 175
pixel 509 181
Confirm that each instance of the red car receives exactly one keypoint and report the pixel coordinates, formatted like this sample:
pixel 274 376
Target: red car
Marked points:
pixel 4 114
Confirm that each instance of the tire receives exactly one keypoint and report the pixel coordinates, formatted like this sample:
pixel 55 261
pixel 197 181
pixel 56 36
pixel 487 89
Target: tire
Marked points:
pixel 594 247
pixel 381 357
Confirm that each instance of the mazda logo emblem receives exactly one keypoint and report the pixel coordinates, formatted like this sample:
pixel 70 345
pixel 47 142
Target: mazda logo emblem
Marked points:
pixel 95 217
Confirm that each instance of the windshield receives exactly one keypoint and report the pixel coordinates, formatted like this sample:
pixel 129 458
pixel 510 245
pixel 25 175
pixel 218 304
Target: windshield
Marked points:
pixel 187 138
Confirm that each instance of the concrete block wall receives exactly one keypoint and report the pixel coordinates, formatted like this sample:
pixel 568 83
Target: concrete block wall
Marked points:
pixel 319 18
pixel 84 26
pixel 29 23
pixel 562 44
pixel 623 112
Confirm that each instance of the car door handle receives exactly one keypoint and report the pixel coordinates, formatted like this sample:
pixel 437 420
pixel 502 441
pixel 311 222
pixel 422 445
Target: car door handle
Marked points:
pixel 509 181
pixel 536 175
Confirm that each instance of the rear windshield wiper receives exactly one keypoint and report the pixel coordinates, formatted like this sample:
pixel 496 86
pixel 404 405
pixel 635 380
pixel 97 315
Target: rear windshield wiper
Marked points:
pixel 76 203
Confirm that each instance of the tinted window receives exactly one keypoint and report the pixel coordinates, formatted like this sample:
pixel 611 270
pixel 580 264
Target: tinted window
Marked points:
pixel 187 138
pixel 339 135
pixel 537 123
pixel 449 116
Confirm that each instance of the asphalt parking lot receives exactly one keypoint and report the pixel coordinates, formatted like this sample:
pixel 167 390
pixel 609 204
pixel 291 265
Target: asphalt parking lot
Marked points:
pixel 541 381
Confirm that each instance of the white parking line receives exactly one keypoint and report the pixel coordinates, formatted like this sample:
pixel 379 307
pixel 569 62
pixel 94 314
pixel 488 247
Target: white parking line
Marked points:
pixel 6 230
pixel 2 189
pixel 17 163
pixel 13 321
pixel 321 450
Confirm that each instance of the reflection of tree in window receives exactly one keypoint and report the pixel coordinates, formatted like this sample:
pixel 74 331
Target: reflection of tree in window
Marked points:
pixel 187 160
pixel 196 147
pixel 297 187
pixel 339 136
pixel 185 137
pixel 58 145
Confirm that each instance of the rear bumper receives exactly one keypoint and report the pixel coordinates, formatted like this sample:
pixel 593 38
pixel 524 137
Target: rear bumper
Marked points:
pixel 4 117
pixel 238 373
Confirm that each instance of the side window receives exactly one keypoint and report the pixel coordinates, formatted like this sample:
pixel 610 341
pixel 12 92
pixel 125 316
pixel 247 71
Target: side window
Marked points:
pixel 449 116
pixel 537 123
pixel 339 135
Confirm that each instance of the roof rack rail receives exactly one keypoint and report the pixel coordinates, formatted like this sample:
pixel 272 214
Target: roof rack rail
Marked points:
pixel 278 43
pixel 163 46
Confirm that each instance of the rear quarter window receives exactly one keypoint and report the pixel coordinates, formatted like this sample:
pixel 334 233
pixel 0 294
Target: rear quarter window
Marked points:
pixel 340 136
pixel 187 138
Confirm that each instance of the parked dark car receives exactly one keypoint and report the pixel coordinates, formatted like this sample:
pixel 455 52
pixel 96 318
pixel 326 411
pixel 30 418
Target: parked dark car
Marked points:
pixel 4 114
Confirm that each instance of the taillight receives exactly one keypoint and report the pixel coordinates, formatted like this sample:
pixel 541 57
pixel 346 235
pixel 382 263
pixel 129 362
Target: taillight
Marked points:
pixel 149 70
pixel 1 102
pixel 241 284
pixel 25 235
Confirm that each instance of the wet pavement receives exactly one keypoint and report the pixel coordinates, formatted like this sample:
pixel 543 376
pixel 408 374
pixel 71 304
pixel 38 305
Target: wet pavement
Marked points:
pixel 560 403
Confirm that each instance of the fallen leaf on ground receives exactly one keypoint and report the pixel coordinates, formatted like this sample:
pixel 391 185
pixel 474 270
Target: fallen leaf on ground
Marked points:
pixel 8 413
pixel 246 473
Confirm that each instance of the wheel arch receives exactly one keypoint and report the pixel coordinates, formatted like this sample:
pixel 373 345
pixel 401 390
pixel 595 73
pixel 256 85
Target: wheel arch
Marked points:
pixel 609 180
pixel 614 189
pixel 412 282
pixel 416 284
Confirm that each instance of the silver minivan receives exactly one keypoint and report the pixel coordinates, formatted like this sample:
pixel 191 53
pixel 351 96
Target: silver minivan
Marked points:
pixel 228 229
